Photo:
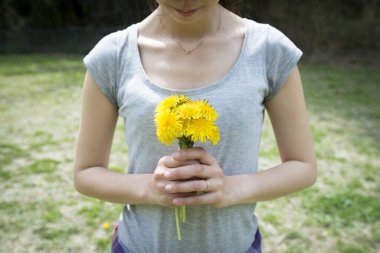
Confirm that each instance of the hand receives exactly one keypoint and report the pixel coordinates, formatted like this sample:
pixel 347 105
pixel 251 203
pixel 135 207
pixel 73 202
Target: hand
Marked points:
pixel 205 176
pixel 156 192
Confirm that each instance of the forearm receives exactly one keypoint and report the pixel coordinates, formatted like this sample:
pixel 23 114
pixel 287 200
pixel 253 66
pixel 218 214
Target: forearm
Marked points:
pixel 107 185
pixel 281 180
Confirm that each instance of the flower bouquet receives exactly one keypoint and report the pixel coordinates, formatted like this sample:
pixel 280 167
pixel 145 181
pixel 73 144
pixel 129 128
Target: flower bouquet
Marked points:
pixel 180 118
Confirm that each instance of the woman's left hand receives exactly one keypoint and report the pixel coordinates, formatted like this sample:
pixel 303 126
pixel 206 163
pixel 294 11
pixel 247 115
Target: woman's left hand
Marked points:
pixel 205 178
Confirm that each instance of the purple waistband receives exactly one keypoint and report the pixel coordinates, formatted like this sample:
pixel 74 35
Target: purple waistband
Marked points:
pixel 118 247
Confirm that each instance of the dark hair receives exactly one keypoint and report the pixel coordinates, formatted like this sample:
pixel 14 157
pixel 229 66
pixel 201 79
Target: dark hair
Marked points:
pixel 230 5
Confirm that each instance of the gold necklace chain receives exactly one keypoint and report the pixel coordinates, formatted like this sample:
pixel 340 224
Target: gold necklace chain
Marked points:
pixel 199 43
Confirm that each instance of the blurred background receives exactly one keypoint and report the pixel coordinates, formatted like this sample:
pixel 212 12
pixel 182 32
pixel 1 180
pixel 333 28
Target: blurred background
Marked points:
pixel 346 29
pixel 42 44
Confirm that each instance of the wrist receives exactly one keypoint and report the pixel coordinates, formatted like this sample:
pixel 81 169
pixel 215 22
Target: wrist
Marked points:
pixel 229 192
pixel 146 193
pixel 239 190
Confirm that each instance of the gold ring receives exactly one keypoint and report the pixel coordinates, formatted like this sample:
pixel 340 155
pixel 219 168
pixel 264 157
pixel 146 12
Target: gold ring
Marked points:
pixel 208 185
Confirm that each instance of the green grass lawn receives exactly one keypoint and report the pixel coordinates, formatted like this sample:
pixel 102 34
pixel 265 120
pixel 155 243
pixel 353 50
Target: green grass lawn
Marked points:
pixel 40 102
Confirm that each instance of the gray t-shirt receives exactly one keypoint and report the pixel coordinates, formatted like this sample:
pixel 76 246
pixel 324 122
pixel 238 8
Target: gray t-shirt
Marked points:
pixel 267 56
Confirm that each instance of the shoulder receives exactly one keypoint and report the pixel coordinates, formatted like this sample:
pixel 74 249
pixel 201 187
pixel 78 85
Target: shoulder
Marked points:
pixel 265 30
pixel 109 48
pixel 117 39
pixel 271 38
pixel 103 61
pixel 254 25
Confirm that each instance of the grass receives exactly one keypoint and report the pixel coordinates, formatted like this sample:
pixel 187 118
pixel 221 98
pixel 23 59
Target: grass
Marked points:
pixel 40 100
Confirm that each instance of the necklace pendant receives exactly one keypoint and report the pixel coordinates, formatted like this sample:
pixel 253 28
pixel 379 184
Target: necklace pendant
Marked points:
pixel 186 51
pixel 190 51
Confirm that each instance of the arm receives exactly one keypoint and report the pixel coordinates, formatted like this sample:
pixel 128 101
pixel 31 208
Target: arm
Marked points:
pixel 91 174
pixel 298 170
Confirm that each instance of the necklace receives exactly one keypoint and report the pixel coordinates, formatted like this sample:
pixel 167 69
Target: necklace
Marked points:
pixel 199 43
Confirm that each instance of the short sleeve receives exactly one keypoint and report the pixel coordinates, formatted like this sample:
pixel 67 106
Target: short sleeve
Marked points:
pixel 281 57
pixel 102 64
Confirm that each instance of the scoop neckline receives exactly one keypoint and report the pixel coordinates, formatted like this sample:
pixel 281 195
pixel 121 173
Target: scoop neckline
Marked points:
pixel 193 91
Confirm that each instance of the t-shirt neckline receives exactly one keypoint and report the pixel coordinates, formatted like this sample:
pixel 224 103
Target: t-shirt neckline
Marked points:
pixel 205 88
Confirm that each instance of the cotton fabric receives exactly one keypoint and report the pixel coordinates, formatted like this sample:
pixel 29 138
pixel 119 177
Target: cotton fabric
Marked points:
pixel 118 247
pixel 266 59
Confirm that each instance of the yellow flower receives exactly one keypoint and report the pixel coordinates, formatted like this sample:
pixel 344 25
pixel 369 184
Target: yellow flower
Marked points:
pixel 177 117
pixel 215 136
pixel 167 104
pixel 169 126
pixel 207 111
pixel 171 103
pixel 189 111
pixel 106 225
pixel 201 130
pixel 183 99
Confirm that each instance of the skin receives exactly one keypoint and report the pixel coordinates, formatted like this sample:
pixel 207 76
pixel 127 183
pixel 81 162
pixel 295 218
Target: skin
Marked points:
pixel 188 18
pixel 172 182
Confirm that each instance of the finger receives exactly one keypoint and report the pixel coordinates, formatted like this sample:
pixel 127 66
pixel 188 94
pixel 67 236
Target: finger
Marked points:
pixel 167 199
pixel 210 198
pixel 182 195
pixel 197 153
pixel 162 159
pixel 159 173
pixel 170 162
pixel 189 171
pixel 187 186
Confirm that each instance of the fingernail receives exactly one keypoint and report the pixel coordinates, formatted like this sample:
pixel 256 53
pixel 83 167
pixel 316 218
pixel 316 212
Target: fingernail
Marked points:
pixel 169 187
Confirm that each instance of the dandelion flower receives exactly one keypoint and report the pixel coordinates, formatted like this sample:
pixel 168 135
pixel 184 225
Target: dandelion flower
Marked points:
pixel 183 99
pixel 215 136
pixel 189 111
pixel 201 130
pixel 207 111
pixel 168 104
pixel 178 117
pixel 106 225
pixel 168 125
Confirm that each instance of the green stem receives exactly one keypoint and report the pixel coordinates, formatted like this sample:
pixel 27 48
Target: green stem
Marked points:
pixel 177 223
pixel 183 209
pixel 185 142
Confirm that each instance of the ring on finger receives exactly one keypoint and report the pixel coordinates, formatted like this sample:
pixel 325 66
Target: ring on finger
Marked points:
pixel 207 186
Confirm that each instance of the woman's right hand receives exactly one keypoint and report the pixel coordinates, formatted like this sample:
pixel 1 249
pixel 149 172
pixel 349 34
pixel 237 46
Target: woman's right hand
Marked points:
pixel 157 193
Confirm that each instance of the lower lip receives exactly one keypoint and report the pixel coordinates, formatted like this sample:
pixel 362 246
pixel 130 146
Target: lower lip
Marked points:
pixel 186 13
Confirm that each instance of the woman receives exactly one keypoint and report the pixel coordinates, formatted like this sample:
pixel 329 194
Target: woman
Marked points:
pixel 200 49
